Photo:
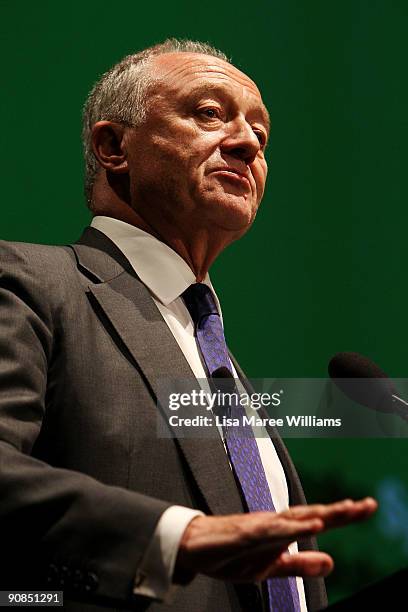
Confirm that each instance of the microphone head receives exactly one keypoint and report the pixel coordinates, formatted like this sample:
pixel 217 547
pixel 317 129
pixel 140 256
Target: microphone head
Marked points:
pixel 347 370
pixel 354 365
pixel 222 372
pixel 223 380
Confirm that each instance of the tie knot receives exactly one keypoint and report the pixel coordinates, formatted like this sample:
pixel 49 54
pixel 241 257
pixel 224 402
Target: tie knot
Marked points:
pixel 200 301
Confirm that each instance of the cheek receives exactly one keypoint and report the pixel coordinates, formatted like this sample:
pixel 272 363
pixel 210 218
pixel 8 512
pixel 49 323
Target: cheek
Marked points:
pixel 260 171
pixel 176 155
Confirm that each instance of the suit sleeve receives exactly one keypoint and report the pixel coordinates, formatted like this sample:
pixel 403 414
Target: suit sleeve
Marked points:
pixel 59 529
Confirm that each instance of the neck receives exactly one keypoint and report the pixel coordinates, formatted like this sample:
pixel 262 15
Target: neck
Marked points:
pixel 199 250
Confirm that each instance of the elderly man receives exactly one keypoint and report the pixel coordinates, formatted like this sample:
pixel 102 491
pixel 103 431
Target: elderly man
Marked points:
pixel 93 502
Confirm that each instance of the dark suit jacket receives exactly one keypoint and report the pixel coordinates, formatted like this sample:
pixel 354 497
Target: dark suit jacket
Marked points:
pixel 83 476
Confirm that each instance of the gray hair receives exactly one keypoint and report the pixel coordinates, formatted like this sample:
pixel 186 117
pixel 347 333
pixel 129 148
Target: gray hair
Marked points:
pixel 121 95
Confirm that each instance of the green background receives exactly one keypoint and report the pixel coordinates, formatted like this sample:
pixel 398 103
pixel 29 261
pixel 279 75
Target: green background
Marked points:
pixel 323 269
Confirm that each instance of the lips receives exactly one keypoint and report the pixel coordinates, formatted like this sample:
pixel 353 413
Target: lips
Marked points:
pixel 233 172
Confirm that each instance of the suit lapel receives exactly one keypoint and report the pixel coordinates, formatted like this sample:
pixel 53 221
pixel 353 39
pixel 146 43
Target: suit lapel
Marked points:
pixel 296 495
pixel 137 324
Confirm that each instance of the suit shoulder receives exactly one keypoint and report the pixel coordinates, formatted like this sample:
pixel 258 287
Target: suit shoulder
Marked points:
pixel 36 266
pixel 30 256
pixel 27 252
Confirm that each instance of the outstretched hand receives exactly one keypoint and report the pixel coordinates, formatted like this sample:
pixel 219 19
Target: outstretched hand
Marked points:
pixel 253 547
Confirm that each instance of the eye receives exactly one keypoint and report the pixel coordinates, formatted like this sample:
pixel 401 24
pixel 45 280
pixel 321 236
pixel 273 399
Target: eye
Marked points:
pixel 211 112
pixel 261 137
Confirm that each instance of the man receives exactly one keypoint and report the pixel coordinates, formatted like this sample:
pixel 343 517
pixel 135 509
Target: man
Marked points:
pixel 93 502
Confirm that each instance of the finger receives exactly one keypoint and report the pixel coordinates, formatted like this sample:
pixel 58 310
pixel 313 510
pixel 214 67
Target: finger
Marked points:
pixel 336 514
pixel 280 528
pixel 323 510
pixel 353 512
pixel 304 564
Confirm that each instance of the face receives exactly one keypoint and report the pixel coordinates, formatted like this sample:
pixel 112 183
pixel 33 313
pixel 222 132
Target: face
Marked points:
pixel 198 159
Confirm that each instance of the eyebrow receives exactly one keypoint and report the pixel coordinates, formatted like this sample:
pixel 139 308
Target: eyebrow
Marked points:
pixel 217 89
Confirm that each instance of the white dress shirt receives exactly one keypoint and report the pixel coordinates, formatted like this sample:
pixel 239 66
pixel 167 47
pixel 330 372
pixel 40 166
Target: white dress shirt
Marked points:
pixel 167 276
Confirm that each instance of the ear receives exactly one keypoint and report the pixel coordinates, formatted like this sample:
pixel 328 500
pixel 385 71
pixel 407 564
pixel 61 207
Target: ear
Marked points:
pixel 107 144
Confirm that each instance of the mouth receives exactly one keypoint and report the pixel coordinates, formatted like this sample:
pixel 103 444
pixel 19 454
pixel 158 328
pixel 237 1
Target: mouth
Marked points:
pixel 234 175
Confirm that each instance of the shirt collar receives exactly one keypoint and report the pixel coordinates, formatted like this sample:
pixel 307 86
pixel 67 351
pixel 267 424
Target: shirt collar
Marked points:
pixel 161 269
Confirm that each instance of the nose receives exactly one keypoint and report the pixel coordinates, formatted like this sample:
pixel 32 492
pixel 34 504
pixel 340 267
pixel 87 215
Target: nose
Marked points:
pixel 241 142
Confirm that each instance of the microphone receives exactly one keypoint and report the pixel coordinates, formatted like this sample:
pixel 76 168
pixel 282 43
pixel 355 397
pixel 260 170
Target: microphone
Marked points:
pixel 223 378
pixel 223 382
pixel 376 392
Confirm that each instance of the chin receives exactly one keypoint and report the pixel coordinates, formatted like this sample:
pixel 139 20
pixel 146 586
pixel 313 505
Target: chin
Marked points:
pixel 236 215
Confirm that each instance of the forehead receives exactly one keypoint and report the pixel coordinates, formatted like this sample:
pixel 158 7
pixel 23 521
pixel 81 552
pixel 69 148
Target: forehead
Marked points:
pixel 184 72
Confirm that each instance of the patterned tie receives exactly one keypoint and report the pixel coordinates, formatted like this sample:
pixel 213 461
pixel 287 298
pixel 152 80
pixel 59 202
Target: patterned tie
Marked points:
pixel 240 441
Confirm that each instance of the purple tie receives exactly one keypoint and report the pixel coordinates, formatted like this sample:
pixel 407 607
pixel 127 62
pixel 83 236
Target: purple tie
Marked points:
pixel 240 441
